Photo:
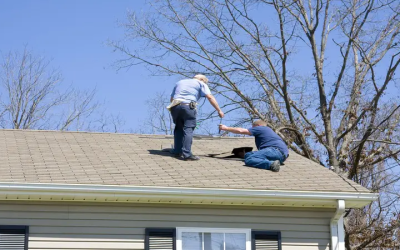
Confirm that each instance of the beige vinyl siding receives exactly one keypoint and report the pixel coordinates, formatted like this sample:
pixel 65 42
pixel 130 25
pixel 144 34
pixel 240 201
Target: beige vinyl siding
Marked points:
pixel 121 226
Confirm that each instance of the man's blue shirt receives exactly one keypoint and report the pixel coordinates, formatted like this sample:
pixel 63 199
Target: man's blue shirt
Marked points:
pixel 190 90
pixel 265 137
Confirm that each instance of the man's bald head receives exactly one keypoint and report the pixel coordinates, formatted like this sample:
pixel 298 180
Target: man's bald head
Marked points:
pixel 259 123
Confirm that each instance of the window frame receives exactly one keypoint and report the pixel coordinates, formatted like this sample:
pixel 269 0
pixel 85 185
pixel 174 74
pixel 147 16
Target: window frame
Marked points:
pixel 180 230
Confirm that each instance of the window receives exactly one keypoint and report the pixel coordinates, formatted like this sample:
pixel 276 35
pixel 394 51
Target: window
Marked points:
pixel 14 237
pixel 213 239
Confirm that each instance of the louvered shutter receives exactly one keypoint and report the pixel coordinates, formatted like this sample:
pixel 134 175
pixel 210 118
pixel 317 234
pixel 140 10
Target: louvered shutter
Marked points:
pixel 160 239
pixel 13 238
pixel 266 240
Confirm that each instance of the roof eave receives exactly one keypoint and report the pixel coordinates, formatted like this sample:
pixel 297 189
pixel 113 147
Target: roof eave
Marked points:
pixel 179 195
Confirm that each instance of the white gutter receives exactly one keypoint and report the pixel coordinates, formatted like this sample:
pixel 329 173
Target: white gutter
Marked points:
pixel 337 228
pixel 108 193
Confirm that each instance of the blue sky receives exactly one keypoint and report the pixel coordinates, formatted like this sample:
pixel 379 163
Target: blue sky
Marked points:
pixel 73 34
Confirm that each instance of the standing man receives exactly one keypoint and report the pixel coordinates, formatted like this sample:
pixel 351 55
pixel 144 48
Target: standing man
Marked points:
pixel 184 99
pixel 272 150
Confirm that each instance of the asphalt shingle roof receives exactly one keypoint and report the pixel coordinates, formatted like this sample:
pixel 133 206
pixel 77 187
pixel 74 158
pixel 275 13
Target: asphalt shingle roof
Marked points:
pixel 28 156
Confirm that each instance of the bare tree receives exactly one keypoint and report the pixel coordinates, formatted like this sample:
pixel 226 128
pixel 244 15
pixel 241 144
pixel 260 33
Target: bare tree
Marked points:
pixel 338 107
pixel 32 96
pixel 106 123
pixel 159 119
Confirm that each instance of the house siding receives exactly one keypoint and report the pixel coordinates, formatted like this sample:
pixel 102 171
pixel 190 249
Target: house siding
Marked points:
pixel 73 225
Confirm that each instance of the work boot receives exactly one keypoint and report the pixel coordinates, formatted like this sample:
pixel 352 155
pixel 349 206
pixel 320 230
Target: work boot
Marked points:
pixel 192 158
pixel 275 166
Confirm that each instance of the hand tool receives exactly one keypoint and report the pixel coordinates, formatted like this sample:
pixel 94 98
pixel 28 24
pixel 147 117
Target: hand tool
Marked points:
pixel 219 128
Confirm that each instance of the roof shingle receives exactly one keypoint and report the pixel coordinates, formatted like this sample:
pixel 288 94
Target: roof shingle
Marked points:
pixel 29 156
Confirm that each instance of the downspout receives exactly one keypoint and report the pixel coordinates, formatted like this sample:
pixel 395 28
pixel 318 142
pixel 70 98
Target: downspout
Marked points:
pixel 337 228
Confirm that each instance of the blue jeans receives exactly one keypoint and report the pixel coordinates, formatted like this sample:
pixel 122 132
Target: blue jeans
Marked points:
pixel 185 123
pixel 263 158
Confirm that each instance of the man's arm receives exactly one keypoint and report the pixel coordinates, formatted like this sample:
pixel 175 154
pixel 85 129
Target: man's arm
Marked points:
pixel 214 103
pixel 241 131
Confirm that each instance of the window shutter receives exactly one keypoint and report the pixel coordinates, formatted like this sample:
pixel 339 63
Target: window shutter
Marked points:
pixel 266 240
pixel 13 237
pixel 160 239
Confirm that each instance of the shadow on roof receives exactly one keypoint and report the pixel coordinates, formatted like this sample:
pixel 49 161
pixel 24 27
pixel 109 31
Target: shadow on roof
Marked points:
pixel 160 152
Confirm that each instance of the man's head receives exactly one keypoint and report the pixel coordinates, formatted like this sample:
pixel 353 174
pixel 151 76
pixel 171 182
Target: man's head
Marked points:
pixel 202 78
pixel 259 123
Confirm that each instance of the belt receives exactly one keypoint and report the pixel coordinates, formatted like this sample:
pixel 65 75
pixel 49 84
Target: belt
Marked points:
pixel 192 105
pixel 187 103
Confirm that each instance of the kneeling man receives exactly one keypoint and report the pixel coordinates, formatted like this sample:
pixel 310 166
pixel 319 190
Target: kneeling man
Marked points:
pixel 272 150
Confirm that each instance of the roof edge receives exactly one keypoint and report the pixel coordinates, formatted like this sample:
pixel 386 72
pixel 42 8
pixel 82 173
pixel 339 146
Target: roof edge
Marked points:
pixel 178 195
pixel 80 132
pixel 196 136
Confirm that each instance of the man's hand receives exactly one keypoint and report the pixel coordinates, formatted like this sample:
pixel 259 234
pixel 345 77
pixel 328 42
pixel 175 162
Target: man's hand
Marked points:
pixel 222 127
pixel 221 114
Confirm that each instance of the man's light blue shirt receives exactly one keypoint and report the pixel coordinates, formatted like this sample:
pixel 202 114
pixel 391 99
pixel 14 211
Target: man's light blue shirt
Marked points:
pixel 190 90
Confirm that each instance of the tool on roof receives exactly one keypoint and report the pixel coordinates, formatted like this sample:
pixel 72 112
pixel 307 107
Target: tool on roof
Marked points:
pixel 237 153
pixel 220 123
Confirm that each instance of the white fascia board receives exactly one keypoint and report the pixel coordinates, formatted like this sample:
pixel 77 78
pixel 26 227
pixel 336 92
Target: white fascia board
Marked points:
pixel 104 193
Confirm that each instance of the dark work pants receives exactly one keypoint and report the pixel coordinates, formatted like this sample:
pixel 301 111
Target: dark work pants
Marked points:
pixel 185 123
